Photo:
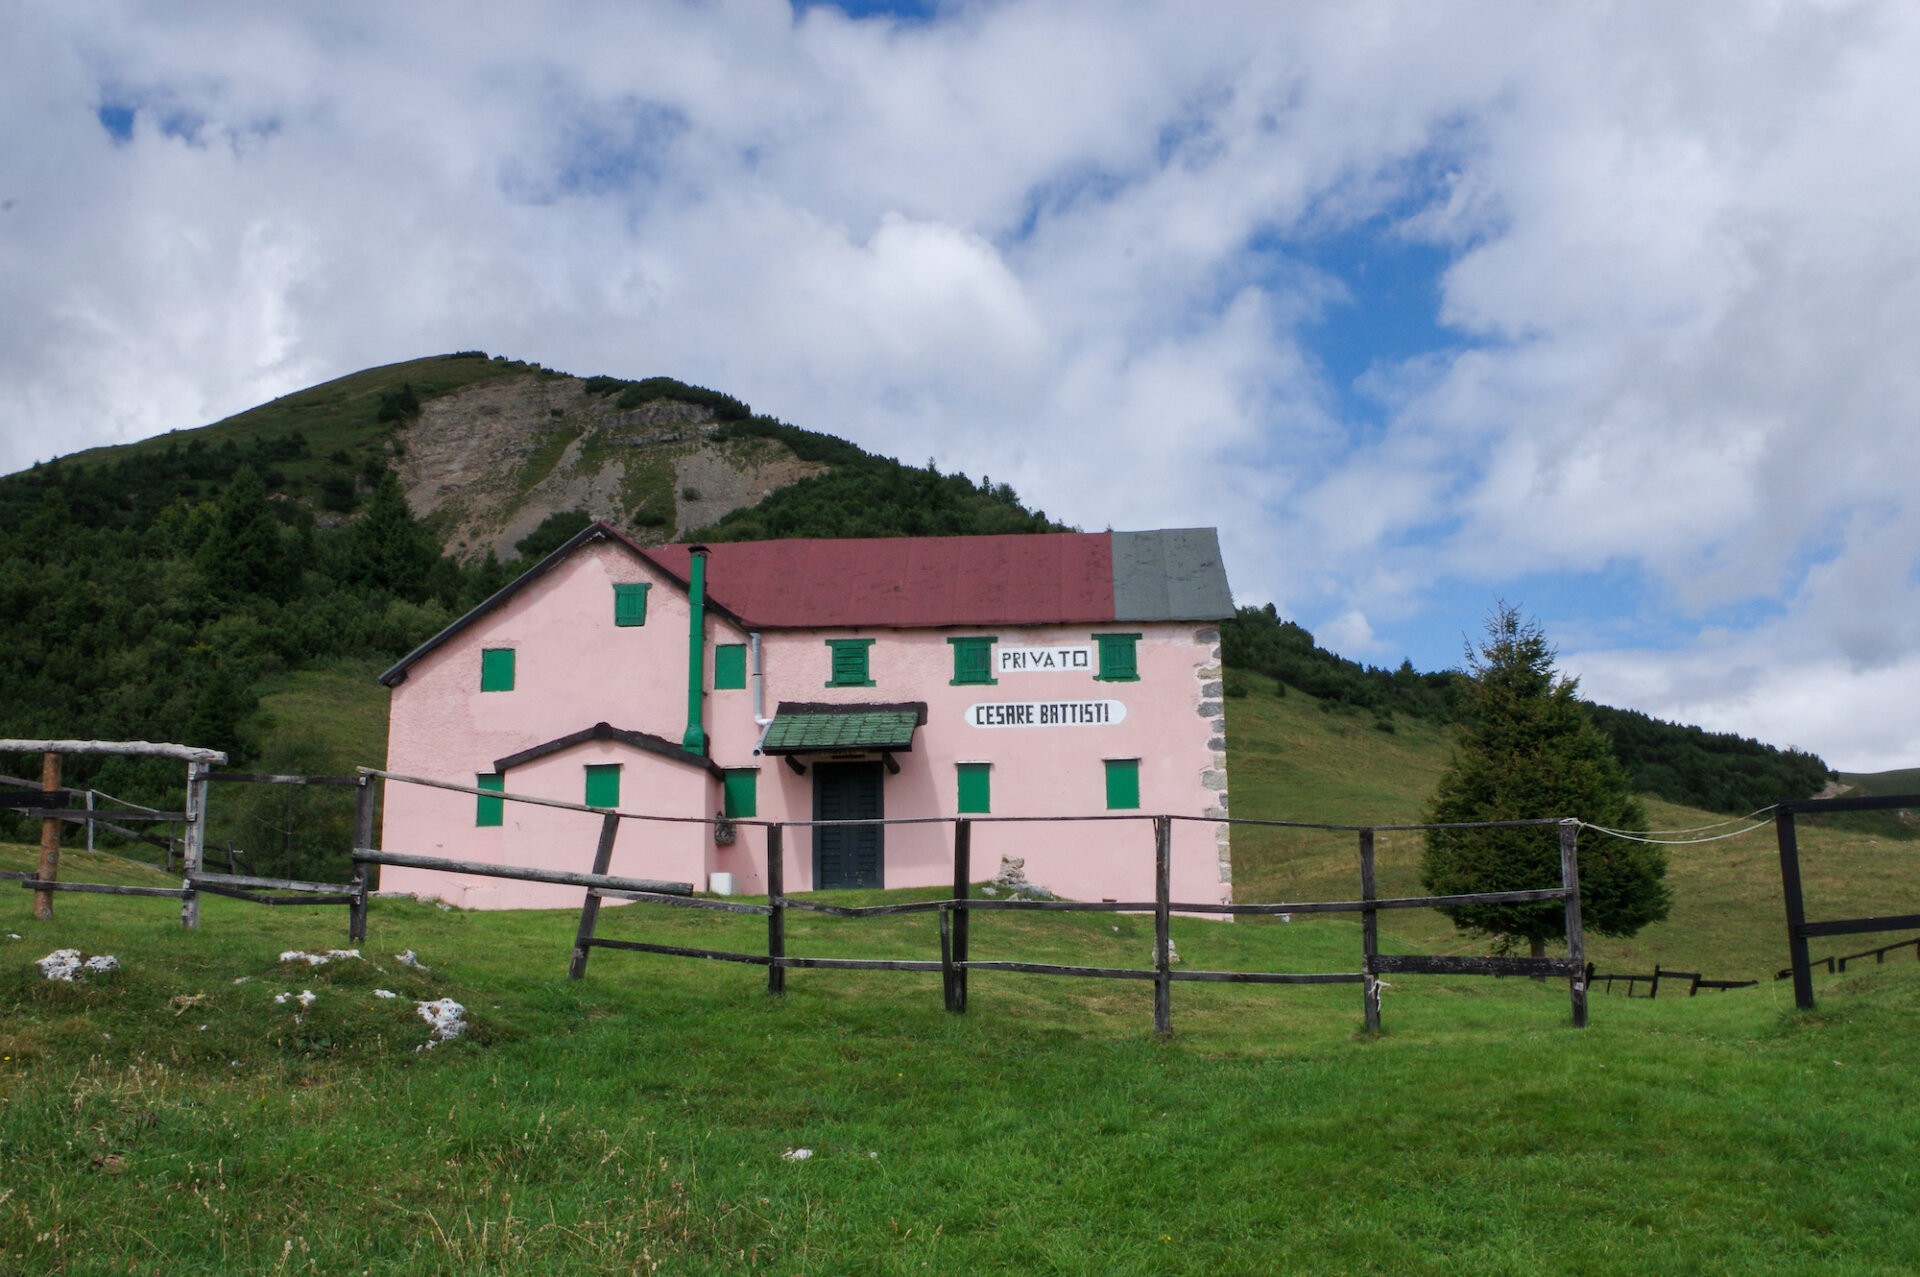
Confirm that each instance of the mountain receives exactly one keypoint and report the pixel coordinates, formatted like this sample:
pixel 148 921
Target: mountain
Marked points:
pixel 488 449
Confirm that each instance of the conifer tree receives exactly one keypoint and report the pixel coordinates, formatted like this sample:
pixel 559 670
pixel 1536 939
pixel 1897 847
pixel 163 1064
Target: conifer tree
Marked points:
pixel 387 548
pixel 1530 752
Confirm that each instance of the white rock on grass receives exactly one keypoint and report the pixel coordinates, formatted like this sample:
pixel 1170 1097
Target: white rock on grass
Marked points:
pixel 317 959
pixel 411 959
pixel 385 993
pixel 65 965
pixel 796 1155
pixel 447 1018
pixel 305 998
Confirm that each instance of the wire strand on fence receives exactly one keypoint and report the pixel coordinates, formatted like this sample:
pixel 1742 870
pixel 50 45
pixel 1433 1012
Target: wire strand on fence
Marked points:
pixel 1673 842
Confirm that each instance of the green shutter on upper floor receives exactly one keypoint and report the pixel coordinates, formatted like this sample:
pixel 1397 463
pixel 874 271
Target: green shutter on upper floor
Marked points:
pixel 1123 784
pixel 729 666
pixel 603 785
pixel 850 662
pixel 630 604
pixel 1118 660
pixel 741 791
pixel 972 659
pixel 976 789
pixel 496 669
pixel 489 811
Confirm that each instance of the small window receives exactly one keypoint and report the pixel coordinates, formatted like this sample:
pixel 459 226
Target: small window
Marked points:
pixel 1123 784
pixel 972 660
pixel 603 784
pixel 850 662
pixel 741 789
pixel 729 666
pixel 1117 660
pixel 496 669
pixel 630 604
pixel 976 788
pixel 489 811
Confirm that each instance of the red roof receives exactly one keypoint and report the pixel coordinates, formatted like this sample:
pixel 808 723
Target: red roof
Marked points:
pixel 1025 579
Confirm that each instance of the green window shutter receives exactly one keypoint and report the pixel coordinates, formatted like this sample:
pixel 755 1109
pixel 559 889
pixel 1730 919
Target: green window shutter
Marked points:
pixel 976 789
pixel 729 666
pixel 496 669
pixel 973 660
pixel 603 784
pixel 630 604
pixel 489 811
pixel 1123 784
pixel 1118 663
pixel 849 662
pixel 742 792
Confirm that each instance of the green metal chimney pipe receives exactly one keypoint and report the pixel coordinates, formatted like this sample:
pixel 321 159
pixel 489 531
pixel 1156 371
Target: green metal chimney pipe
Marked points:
pixel 696 738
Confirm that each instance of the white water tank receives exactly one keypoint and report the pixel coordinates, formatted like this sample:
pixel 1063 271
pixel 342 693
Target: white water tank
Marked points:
pixel 720 884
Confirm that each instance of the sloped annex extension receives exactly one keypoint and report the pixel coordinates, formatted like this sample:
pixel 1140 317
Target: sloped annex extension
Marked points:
pixel 1069 674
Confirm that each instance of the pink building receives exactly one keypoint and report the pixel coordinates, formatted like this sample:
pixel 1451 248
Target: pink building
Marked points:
pixel 1066 674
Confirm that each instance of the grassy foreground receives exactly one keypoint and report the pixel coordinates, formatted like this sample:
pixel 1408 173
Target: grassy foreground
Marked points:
pixel 174 1116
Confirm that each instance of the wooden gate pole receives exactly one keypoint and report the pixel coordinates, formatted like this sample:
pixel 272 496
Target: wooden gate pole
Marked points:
pixel 1162 925
pixel 1576 939
pixel 196 843
pixel 1369 937
pixel 590 908
pixel 49 839
pixel 362 837
pixel 962 885
pixel 776 911
pixel 1796 909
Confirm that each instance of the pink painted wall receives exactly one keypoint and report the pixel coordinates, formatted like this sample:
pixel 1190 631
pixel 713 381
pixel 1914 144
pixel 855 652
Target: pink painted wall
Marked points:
pixel 574 668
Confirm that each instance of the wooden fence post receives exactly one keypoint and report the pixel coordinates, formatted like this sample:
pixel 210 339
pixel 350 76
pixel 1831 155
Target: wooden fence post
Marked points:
pixel 590 908
pixel 196 843
pixel 362 837
pixel 1576 940
pixel 776 911
pixel 1162 920
pixel 962 885
pixel 1369 937
pixel 49 839
pixel 1796 909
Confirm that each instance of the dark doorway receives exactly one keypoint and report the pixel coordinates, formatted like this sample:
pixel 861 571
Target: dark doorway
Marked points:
pixel 847 855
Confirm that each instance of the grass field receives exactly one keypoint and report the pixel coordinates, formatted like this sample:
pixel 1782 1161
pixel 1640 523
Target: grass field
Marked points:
pixel 174 1116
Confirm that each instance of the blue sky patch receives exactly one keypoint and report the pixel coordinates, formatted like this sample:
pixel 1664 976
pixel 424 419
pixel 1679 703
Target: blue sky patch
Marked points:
pixel 117 119
pixel 907 10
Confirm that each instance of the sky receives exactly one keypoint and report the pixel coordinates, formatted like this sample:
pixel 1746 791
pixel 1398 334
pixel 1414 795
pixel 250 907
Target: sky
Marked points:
pixel 1606 310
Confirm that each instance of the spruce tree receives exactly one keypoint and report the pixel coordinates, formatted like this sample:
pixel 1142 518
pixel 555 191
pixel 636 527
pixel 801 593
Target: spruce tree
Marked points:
pixel 1530 752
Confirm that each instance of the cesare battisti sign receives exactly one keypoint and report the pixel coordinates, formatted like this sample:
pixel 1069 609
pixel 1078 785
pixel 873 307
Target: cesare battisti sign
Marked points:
pixel 1046 713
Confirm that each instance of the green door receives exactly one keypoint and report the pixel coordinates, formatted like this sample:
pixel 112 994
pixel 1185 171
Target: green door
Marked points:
pixel 847 855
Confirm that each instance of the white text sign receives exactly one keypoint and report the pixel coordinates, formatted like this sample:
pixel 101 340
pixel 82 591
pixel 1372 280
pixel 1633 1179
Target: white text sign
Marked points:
pixel 1047 714
pixel 1027 660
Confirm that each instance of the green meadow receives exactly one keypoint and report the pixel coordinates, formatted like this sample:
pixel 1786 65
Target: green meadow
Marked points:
pixel 176 1116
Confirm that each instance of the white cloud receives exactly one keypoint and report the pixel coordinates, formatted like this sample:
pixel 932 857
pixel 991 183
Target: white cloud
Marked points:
pixel 1021 239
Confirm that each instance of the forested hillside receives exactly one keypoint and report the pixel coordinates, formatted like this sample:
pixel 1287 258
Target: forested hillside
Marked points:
pixel 1718 771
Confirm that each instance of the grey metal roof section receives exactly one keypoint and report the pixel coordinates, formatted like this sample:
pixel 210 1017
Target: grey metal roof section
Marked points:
pixel 1174 574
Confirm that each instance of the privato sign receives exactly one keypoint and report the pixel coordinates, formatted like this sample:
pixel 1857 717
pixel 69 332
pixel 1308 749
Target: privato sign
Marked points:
pixel 1030 660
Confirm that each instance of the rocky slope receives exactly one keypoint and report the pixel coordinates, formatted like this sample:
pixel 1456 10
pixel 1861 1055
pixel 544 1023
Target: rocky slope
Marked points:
pixel 487 463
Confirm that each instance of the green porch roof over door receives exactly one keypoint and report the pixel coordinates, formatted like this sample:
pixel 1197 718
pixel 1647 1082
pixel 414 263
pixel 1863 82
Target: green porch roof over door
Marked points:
pixel 802 727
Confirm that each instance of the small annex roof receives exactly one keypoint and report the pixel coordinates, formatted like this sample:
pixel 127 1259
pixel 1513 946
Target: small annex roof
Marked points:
pixel 803 727
pixel 1050 578
pixel 602 731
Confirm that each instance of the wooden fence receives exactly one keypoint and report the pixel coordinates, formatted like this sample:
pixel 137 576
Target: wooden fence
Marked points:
pixel 1879 955
pixel 1799 930
pixel 955 962
pixel 1695 981
pixel 52 804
